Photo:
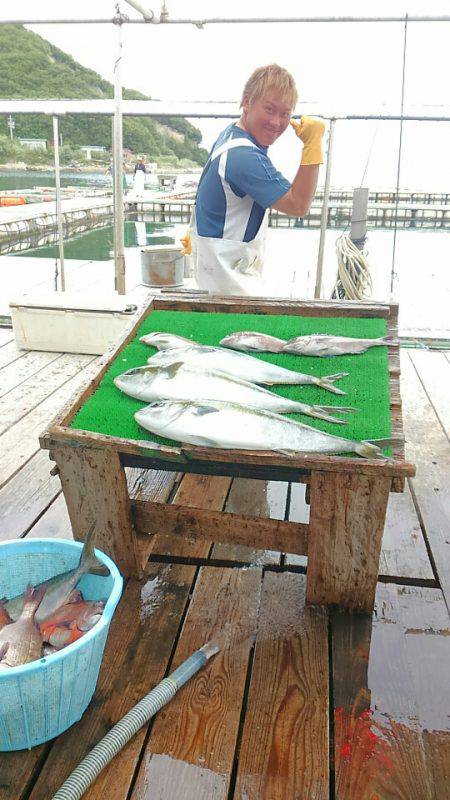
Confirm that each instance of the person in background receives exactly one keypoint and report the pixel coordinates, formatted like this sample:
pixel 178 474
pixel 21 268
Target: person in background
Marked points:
pixel 139 178
pixel 239 183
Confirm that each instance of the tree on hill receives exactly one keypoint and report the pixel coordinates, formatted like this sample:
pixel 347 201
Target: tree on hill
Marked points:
pixel 31 67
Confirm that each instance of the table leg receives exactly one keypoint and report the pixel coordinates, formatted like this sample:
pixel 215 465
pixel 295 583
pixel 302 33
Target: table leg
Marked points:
pixel 95 490
pixel 346 527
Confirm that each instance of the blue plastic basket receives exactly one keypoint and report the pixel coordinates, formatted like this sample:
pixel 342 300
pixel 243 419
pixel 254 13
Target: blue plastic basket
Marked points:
pixel 40 700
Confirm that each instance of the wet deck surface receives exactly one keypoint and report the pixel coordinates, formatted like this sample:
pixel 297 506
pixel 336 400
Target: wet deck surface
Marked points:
pixel 300 704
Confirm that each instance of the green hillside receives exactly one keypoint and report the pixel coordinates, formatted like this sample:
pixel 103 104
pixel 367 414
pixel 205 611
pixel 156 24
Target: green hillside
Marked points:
pixel 31 67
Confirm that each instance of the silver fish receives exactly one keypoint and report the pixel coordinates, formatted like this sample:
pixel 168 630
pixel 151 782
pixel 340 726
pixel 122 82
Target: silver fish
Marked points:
pixel 252 340
pixel 233 426
pixel 61 588
pixel 241 366
pixel 23 638
pixel 320 344
pixel 165 341
pixel 184 382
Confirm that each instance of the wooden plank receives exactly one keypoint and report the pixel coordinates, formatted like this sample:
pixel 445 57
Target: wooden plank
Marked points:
pixel 284 748
pixel 195 491
pixel 197 524
pixel 21 441
pixel 379 743
pixel 191 748
pixel 434 372
pixel 298 512
pixel 139 646
pixel 31 392
pixel 274 305
pixel 262 500
pixel 344 543
pixel 26 496
pixel 95 491
pixel 403 550
pixel 6 335
pixel 427 630
pixel 18 769
pixel 54 523
pixel 429 446
pixel 21 369
pixel 9 353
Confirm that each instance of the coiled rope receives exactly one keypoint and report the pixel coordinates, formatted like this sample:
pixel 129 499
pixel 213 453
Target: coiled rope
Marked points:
pixel 353 280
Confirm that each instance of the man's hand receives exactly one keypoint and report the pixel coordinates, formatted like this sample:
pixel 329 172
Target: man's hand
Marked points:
pixel 310 130
pixel 186 242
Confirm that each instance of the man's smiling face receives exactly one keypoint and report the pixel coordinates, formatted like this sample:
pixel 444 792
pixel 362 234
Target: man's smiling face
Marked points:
pixel 266 118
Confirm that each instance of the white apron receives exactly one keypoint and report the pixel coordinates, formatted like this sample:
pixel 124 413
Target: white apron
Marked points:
pixel 230 266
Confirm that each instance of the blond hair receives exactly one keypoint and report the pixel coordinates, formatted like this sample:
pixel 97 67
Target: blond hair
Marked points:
pixel 270 78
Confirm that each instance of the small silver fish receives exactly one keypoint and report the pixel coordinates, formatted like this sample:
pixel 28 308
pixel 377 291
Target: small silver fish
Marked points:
pixel 165 341
pixel 252 340
pixel 23 638
pixel 184 382
pixel 61 588
pixel 233 426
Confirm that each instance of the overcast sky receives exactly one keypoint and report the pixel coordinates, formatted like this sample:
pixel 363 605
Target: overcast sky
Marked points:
pixel 341 68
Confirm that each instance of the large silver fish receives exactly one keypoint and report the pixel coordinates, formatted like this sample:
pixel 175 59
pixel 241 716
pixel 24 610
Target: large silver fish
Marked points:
pixel 181 381
pixel 21 641
pixel 233 426
pixel 319 344
pixel 61 588
pixel 241 366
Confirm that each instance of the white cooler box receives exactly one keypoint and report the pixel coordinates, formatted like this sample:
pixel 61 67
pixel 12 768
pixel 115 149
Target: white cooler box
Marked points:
pixel 68 323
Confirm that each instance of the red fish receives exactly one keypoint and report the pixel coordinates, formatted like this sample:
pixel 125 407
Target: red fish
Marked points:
pixel 5 619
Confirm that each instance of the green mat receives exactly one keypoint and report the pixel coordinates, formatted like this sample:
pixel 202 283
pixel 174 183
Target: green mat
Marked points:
pixel 111 412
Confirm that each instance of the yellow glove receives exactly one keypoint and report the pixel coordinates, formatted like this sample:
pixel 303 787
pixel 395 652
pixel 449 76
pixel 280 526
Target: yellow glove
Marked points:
pixel 310 130
pixel 186 242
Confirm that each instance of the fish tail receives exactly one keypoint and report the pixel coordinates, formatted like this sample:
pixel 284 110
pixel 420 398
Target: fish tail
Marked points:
pixel 389 442
pixel 368 450
pixel 327 381
pixel 89 561
pixel 33 597
pixel 339 409
pixel 321 412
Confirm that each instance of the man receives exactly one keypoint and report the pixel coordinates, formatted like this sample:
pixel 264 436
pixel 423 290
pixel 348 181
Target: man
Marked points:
pixel 239 183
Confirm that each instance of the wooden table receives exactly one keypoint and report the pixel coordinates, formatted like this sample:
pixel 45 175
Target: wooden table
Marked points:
pixel 347 496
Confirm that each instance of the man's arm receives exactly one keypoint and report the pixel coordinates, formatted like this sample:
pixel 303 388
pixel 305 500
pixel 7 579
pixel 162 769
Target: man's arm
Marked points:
pixel 298 199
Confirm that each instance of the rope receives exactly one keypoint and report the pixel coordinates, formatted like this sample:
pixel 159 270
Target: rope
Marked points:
pixel 353 280
pixel 402 104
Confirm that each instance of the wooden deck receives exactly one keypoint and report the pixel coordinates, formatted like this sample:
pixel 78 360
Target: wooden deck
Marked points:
pixel 300 704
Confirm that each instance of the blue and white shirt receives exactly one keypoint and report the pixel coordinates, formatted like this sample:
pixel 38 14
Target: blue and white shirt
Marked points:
pixel 236 188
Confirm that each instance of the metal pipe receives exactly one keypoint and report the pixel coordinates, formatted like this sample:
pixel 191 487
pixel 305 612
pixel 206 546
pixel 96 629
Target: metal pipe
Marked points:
pixel 119 248
pixel 146 13
pixel 58 203
pixel 324 218
pixel 223 20
pixel 399 158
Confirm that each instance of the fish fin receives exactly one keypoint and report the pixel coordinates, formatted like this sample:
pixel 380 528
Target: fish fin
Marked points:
pixel 389 442
pixel 172 369
pixel 200 411
pixel 327 382
pixel 88 557
pixel 338 409
pixel 203 441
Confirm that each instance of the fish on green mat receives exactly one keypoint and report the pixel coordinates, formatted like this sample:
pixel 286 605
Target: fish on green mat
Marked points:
pixel 62 588
pixel 237 427
pixel 180 381
pixel 165 341
pixel 319 344
pixel 242 366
